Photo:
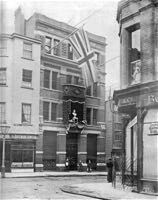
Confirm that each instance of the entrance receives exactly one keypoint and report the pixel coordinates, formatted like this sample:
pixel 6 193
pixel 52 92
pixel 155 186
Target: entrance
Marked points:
pixel 71 150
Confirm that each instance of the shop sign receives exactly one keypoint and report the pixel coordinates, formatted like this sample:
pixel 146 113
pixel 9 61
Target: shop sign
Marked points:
pixel 153 128
pixel 127 101
pixel 153 99
pixel 17 136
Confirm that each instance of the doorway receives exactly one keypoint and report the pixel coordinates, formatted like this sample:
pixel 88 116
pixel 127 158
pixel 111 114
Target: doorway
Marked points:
pixel 71 150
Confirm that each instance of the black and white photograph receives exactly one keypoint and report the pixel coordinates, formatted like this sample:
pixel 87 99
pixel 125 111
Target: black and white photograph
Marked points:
pixel 78 99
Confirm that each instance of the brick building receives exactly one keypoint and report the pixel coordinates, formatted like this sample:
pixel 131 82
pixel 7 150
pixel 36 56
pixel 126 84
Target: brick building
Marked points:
pixel 63 90
pixel 137 98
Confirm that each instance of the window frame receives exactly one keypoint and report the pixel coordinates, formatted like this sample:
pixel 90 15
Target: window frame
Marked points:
pixel 49 45
pixel 26 83
pixel 27 114
pixel 26 50
pixel 56 47
pixel 45 80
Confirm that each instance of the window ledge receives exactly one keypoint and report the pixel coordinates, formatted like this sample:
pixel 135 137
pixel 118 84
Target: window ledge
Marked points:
pixel 25 87
pixel 3 85
pixel 26 124
pixel 27 58
pixel 4 56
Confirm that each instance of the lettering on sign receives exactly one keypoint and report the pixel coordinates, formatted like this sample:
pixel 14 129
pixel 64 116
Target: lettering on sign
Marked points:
pixel 153 128
pixel 127 101
pixel 7 136
pixel 153 99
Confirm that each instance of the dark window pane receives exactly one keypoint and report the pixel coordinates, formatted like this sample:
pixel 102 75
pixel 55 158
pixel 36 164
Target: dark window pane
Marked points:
pixel 46 78
pixel 53 111
pixel 54 80
pixel 56 47
pixel 46 111
pixel 88 116
pixel 69 79
pixel 94 116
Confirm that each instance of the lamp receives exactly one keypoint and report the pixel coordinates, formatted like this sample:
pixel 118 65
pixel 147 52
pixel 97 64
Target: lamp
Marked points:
pixel 3 130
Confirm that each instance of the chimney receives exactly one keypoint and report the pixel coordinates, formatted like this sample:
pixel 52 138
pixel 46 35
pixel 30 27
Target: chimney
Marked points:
pixel 19 22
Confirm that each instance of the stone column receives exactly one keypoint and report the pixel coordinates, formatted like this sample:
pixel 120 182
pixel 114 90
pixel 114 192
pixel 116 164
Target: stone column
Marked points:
pixel 82 150
pixel 39 153
pixel 61 150
pixel 101 153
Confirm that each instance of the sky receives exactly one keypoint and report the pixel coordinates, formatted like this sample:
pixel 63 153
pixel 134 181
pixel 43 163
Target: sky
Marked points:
pixel 100 18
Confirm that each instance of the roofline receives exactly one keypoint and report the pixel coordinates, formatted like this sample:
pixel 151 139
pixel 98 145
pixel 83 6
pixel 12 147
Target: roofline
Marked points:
pixel 16 35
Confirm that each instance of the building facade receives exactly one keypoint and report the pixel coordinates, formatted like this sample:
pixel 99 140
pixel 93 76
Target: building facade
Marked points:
pixel 64 94
pixel 19 99
pixel 137 98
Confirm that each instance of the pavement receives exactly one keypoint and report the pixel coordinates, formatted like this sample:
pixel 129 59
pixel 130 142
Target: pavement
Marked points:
pixel 101 190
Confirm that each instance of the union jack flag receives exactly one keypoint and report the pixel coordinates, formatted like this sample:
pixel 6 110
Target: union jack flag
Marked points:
pixel 84 55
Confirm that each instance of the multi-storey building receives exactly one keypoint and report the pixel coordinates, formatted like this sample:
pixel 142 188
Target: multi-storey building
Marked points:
pixel 19 99
pixel 63 90
pixel 137 98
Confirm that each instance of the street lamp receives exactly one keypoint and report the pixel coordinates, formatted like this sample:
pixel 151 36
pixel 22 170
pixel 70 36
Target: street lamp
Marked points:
pixel 4 130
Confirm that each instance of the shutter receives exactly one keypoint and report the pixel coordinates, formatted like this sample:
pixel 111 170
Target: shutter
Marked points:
pixel 64 50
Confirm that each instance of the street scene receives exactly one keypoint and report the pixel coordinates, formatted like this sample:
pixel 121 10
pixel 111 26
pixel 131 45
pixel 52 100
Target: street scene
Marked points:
pixel 79 99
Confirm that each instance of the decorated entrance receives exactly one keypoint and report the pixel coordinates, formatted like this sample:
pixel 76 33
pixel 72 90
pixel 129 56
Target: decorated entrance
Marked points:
pixel 72 149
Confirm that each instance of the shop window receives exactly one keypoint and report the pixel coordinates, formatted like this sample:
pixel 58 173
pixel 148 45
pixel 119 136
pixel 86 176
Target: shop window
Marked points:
pixel 46 78
pixel 27 78
pixel 22 152
pixel 53 111
pixel 46 111
pixel 48 43
pixel 2 113
pixel 94 116
pixel 88 115
pixel 3 78
pixel 54 80
pixel 56 47
pixel 26 113
pixel 70 52
pixel 27 50
pixel 134 55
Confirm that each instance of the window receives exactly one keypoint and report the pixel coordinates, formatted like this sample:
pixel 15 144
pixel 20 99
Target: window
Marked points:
pixel 3 76
pixel 88 91
pixel 53 111
pixel 95 116
pixel 46 111
pixel 48 43
pixel 76 80
pixel 46 78
pixel 95 93
pixel 69 79
pixel 56 47
pixel 70 52
pixel 54 80
pixel 96 58
pixel 27 78
pixel 88 115
pixel 27 50
pixel 134 54
pixel 26 113
pixel 2 113
pixel 3 47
